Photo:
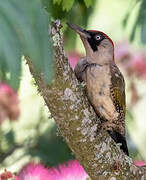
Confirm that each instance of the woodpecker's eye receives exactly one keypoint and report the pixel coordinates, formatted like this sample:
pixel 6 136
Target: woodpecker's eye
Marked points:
pixel 98 37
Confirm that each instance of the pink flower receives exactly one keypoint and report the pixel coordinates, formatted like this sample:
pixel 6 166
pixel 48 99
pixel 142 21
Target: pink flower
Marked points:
pixel 72 170
pixel 34 172
pixel 8 175
pixel 16 178
pixel 9 105
pixel 122 51
pixel 5 88
pixel 138 64
pixel 73 58
pixel 139 163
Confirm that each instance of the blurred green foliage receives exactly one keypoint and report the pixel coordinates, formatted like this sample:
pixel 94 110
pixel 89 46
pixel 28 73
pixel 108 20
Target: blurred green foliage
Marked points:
pixel 67 5
pixel 24 31
pixel 47 145
pixel 140 21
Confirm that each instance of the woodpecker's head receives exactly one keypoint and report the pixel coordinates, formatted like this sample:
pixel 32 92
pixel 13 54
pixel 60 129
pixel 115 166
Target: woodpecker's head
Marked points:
pixel 98 46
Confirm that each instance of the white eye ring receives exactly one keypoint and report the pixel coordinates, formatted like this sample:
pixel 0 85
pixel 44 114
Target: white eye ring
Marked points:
pixel 97 37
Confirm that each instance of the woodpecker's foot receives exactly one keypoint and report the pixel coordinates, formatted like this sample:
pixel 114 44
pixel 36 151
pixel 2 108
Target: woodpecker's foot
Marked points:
pixel 118 138
pixel 83 85
pixel 108 126
pixel 115 135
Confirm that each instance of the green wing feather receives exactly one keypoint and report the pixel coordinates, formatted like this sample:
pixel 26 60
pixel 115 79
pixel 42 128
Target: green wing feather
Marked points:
pixel 118 90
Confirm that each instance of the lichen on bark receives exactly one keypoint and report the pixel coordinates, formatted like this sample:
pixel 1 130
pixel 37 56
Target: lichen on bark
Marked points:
pixel 78 123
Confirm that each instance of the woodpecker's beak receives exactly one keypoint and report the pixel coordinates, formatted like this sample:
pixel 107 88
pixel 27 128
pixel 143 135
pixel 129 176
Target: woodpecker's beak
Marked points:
pixel 80 31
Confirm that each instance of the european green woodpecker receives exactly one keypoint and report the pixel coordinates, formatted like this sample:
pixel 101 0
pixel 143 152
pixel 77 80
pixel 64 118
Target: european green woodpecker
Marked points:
pixel 105 86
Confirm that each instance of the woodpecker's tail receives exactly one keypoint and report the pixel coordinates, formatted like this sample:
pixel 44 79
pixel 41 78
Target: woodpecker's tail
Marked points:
pixel 118 138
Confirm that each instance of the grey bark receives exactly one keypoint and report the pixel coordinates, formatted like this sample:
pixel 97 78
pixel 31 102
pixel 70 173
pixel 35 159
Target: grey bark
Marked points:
pixel 78 123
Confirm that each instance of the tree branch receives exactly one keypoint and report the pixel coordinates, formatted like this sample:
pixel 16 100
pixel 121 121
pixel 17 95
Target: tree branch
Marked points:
pixel 78 123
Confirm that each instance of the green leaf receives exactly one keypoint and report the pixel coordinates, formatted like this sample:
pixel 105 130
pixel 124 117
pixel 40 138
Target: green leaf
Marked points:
pixel 88 3
pixel 140 21
pixel 57 1
pixel 67 4
pixel 143 22
pixel 10 137
pixel 125 20
pixel 143 31
pixel 10 52
pixel 24 30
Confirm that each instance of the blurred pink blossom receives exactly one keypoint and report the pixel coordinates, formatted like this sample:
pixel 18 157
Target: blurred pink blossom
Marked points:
pixel 9 104
pixel 16 178
pixel 72 170
pixel 122 51
pixel 6 89
pixel 134 62
pixel 34 171
pixel 73 58
pixel 139 163
pixel 138 64
pixel 7 175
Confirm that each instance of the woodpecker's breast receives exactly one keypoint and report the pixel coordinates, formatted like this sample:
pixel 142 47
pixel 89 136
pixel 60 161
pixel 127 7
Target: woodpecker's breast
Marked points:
pixel 98 80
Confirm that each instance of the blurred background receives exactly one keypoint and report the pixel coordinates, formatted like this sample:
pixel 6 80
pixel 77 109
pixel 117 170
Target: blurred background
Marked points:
pixel 27 130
